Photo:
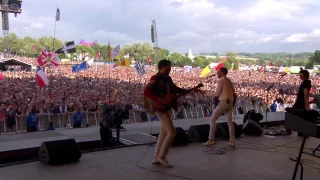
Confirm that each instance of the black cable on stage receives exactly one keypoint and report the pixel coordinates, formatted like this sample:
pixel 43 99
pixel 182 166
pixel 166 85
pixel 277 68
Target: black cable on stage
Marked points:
pixel 155 171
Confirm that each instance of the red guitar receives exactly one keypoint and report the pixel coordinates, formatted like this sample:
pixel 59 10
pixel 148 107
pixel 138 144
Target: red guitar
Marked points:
pixel 170 100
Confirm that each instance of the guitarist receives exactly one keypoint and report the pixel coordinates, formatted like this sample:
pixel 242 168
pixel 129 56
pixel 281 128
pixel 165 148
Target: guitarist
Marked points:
pixel 226 93
pixel 156 90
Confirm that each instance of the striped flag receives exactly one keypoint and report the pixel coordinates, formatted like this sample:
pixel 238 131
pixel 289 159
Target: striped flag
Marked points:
pixel 48 58
pixel 41 78
pixel 115 51
pixel 140 68
pixel 69 47
pixel 58 14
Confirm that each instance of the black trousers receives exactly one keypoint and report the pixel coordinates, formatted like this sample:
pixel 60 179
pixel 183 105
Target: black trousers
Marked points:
pixel 32 129
pixel 77 125
pixel 106 137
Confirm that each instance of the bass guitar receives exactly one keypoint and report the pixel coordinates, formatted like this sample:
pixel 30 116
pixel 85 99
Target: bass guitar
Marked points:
pixel 170 101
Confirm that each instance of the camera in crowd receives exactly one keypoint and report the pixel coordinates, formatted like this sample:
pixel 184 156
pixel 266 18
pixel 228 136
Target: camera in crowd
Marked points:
pixel 114 116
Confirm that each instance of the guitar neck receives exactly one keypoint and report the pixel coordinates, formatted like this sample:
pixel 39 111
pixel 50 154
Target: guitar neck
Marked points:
pixel 185 93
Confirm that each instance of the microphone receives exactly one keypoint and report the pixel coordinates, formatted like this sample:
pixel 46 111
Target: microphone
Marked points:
pixel 211 75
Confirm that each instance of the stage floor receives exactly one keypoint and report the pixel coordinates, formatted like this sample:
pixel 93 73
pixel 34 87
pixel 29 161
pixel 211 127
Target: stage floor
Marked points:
pixel 137 133
pixel 250 161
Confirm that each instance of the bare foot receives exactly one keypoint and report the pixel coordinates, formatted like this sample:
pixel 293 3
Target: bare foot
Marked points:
pixel 209 143
pixel 164 163
pixel 232 144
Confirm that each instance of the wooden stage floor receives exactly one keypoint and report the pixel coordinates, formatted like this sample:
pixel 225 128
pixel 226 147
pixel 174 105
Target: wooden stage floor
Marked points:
pixel 254 158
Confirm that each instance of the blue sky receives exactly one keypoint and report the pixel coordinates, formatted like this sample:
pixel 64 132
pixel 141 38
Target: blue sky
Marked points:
pixel 202 25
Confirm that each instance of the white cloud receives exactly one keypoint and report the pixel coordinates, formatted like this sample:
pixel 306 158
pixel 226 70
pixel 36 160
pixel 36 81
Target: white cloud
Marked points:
pixel 203 25
pixel 264 9
pixel 36 25
pixel 192 5
pixel 303 37
pixel 101 35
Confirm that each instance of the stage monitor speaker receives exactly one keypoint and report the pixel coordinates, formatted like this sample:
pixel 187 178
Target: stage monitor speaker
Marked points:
pixel 59 152
pixel 181 138
pixel 199 133
pixel 252 128
pixel 222 130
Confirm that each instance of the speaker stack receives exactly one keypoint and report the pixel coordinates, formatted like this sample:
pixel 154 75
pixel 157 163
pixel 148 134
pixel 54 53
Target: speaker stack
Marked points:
pixel 199 133
pixel 252 128
pixel 59 152
pixel 181 138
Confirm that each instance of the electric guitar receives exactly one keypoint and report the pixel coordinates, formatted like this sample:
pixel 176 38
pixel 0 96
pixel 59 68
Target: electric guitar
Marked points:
pixel 170 100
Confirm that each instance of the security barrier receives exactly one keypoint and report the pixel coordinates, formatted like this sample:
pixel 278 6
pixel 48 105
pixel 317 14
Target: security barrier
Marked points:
pixel 64 120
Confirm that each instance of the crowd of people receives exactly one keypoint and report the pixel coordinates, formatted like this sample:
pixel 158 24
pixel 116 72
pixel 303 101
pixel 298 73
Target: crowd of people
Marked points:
pixel 90 88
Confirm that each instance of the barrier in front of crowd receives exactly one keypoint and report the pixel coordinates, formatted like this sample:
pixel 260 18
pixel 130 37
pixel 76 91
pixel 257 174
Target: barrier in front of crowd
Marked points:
pixel 61 121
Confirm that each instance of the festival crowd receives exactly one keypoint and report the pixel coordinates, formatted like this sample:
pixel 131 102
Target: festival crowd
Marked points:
pixel 90 88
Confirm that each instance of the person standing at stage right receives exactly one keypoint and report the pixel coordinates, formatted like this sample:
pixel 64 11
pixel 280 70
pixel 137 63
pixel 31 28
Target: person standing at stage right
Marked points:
pixel 302 100
pixel 225 91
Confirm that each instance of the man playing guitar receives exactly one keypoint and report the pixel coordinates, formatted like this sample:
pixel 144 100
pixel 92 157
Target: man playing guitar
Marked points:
pixel 226 93
pixel 157 90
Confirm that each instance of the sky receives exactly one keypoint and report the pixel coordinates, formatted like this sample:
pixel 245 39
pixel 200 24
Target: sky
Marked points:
pixel 202 25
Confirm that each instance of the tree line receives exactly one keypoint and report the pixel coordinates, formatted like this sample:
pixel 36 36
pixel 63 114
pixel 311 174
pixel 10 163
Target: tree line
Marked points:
pixel 31 47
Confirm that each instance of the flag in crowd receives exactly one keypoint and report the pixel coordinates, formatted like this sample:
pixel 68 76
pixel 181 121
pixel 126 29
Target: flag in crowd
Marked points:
pixel 41 78
pixel 34 48
pixel 98 55
pixel 149 59
pixel 115 51
pixel 127 56
pixel 90 62
pixel 125 63
pixel 140 68
pixel 79 67
pixel 48 58
pixel 58 14
pixel 115 91
pixel 218 66
pixel 69 47
pixel 205 71
pixel 188 68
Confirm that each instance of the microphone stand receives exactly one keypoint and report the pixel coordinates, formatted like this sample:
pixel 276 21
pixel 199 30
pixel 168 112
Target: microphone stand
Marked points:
pixel 268 89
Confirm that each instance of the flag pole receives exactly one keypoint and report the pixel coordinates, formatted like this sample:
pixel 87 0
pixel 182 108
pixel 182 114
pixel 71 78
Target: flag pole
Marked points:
pixel 54 37
pixel 109 57
pixel 110 68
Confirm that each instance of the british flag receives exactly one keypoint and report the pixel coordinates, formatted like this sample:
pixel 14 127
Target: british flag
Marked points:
pixel 48 58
